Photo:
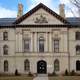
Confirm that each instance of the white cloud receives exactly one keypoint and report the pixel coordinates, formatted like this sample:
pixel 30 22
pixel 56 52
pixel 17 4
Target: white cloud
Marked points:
pixel 7 12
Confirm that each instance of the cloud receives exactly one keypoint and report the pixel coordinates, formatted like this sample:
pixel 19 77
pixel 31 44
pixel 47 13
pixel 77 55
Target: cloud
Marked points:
pixel 4 12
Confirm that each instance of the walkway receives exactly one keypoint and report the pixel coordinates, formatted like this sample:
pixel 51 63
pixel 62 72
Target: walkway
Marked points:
pixel 41 77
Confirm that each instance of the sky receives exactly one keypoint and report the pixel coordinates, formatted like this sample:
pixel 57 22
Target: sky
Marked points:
pixel 9 8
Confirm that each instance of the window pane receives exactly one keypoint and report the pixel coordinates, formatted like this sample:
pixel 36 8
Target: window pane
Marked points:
pixel 56 45
pixel 77 35
pixel 5 66
pixel 5 49
pixel 26 65
pixel 5 36
pixel 77 49
pixel 41 45
pixel 26 45
pixel 56 65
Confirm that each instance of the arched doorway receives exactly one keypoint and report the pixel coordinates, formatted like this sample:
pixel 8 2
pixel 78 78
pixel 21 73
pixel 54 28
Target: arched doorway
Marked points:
pixel 77 65
pixel 41 67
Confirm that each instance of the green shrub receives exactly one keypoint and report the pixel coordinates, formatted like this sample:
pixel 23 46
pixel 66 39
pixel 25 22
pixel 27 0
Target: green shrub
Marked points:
pixel 66 72
pixel 72 73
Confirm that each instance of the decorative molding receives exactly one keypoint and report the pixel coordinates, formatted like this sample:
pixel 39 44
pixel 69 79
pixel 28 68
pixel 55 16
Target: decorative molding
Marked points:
pixel 41 19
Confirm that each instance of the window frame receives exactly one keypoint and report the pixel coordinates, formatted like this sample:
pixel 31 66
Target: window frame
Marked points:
pixel 56 49
pixel 77 35
pixel 56 65
pixel 26 65
pixel 5 49
pixel 28 43
pixel 6 66
pixel 5 36
pixel 40 41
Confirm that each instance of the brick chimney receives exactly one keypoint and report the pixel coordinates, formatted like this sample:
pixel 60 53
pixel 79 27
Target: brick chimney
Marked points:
pixel 62 10
pixel 20 10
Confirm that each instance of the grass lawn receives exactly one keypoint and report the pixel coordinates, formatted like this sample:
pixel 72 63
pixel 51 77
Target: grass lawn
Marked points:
pixel 50 78
pixel 65 78
pixel 16 78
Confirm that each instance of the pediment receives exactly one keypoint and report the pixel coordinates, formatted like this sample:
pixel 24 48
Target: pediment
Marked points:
pixel 41 14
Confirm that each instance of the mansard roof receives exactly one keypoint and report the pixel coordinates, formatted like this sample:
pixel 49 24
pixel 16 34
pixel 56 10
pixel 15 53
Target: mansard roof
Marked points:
pixel 43 7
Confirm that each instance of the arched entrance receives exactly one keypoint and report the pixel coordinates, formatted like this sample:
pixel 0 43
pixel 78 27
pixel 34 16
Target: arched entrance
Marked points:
pixel 41 67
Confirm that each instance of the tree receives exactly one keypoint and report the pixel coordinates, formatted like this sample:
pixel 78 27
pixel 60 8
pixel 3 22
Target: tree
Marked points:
pixel 77 4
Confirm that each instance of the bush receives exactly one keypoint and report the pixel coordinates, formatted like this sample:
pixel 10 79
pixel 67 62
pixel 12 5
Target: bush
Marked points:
pixel 66 72
pixel 30 74
pixel 16 73
pixel 52 74
pixel 72 73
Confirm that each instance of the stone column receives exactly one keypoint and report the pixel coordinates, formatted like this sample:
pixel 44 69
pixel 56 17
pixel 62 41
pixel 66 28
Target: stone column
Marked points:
pixel 18 41
pixel 35 42
pixel 46 42
pixel 50 42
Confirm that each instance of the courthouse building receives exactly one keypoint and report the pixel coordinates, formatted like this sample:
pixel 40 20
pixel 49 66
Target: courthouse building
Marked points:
pixel 40 41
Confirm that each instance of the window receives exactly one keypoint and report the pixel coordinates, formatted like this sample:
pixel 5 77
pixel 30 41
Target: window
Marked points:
pixel 77 49
pixel 41 44
pixel 77 35
pixel 26 65
pixel 5 49
pixel 27 45
pixel 56 65
pixel 56 46
pixel 5 66
pixel 5 35
pixel 77 65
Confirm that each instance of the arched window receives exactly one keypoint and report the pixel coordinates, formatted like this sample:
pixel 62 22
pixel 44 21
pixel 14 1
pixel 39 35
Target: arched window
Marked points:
pixel 5 35
pixel 78 65
pixel 5 49
pixel 5 66
pixel 56 65
pixel 27 65
pixel 77 49
pixel 41 44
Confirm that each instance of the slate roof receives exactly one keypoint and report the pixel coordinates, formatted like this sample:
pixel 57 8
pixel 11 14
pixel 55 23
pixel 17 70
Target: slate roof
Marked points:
pixel 7 21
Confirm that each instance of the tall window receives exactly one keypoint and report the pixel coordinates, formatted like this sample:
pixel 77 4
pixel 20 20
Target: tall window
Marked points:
pixel 5 35
pixel 26 65
pixel 56 65
pixel 77 35
pixel 5 49
pixel 27 45
pixel 77 65
pixel 56 45
pixel 5 66
pixel 77 49
pixel 41 44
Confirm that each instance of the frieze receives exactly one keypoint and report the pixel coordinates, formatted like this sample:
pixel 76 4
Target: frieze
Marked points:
pixel 41 19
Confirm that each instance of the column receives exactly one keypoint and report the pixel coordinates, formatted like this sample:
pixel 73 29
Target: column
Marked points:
pixel 50 41
pixel 35 42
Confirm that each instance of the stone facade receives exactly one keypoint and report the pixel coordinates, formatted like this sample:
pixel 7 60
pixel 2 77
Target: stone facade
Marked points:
pixel 16 55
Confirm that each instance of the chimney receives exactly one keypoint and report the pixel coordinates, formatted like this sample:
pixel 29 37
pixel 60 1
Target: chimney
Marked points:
pixel 20 10
pixel 61 10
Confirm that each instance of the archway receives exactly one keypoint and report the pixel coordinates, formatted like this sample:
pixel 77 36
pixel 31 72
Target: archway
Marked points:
pixel 41 67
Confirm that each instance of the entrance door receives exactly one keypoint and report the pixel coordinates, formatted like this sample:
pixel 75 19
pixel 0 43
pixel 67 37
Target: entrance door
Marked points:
pixel 41 67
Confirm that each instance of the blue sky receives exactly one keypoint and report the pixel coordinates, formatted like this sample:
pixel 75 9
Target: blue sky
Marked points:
pixel 8 8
